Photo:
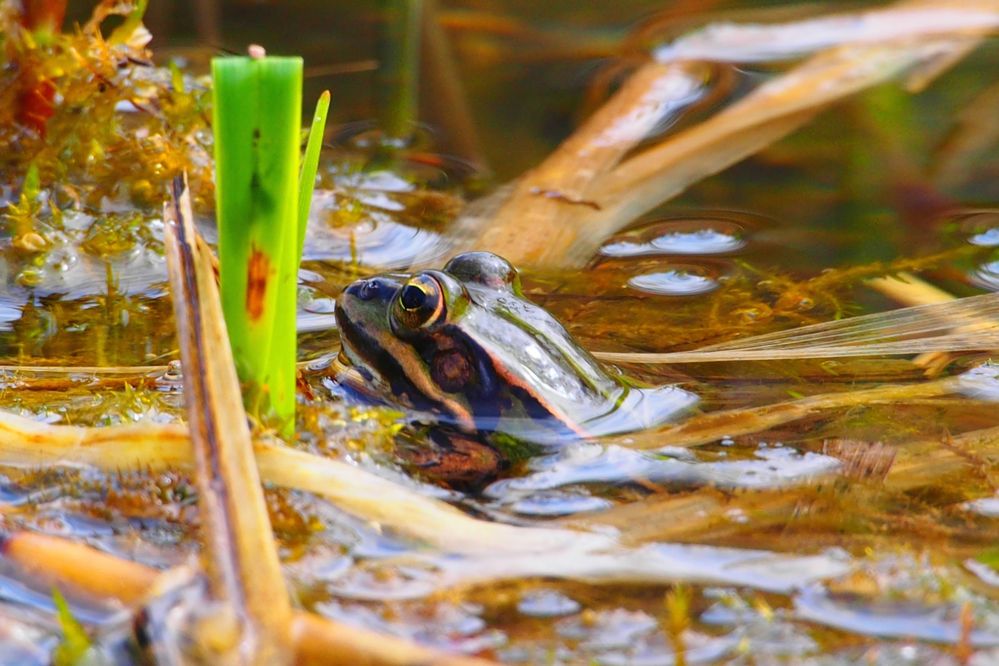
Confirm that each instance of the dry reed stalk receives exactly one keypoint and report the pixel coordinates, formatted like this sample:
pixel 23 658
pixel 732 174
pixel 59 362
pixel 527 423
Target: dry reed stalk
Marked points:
pixel 906 20
pixel 974 134
pixel 909 290
pixel 240 555
pixel 130 370
pixel 661 517
pixel 711 427
pixel 913 291
pixel 551 196
pixel 154 446
pixel 922 463
pixel 769 113
pixel 906 39
pixel 468 550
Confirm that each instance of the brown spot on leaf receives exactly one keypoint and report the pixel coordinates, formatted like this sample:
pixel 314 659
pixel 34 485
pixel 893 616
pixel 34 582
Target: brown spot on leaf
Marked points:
pixel 257 274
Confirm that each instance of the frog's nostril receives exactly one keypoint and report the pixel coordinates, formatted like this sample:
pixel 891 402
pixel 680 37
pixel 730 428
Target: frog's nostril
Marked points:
pixel 363 289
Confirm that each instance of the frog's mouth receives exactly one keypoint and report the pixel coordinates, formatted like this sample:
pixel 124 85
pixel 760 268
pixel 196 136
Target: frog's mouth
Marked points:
pixel 377 364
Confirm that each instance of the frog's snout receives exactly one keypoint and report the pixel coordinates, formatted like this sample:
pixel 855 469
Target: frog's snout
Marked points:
pixel 371 288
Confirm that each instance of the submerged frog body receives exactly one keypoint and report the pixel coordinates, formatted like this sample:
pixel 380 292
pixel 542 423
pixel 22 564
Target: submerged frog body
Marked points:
pixel 463 345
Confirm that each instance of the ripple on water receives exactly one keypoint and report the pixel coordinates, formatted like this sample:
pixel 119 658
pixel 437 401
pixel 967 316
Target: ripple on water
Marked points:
pixel 450 627
pixel 10 309
pixel 315 310
pixel 987 238
pixel 679 281
pixel 986 276
pixel 634 638
pixel 981 227
pixel 558 503
pixel 692 236
pixel 377 240
pixel 983 571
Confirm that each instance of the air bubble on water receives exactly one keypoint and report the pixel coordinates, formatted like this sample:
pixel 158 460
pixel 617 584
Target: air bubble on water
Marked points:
pixel 673 282
pixel 547 603
pixel 704 241
pixel 687 237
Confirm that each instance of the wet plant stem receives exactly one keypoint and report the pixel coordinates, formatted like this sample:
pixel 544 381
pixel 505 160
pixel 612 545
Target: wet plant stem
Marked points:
pixel 263 195
pixel 257 116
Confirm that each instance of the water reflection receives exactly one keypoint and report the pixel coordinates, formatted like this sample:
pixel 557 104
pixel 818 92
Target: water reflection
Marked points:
pixel 986 506
pixel 980 227
pixel 771 467
pixel 451 627
pixel 703 234
pixel 939 624
pixel 987 238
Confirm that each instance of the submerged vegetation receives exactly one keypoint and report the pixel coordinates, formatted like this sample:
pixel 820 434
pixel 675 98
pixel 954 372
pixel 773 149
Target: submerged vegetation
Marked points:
pixel 831 499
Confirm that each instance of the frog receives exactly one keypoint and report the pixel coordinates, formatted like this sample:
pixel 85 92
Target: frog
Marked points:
pixel 498 377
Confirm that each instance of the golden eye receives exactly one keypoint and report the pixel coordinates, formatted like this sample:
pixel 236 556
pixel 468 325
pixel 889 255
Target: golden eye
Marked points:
pixel 419 303
pixel 413 297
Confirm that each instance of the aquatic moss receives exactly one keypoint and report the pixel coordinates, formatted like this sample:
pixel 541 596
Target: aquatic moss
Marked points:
pixel 119 127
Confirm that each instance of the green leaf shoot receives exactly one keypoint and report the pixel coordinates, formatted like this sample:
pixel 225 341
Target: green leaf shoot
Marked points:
pixel 310 164
pixel 75 645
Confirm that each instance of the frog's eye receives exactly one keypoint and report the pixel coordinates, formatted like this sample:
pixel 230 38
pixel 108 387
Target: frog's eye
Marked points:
pixel 420 302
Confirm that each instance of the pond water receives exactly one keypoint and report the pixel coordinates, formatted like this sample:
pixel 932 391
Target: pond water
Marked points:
pixel 865 531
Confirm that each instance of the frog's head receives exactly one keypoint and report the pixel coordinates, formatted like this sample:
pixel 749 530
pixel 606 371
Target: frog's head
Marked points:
pixel 463 342
pixel 396 329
